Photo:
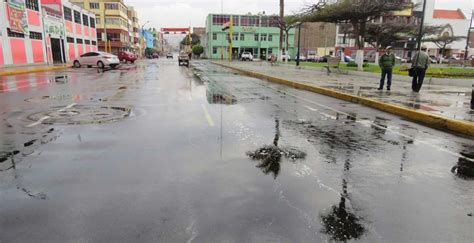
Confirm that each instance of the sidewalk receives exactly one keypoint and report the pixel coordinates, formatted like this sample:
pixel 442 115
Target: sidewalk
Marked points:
pixel 441 101
pixel 5 71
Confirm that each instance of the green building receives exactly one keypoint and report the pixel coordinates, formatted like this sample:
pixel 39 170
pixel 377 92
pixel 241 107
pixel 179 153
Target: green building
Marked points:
pixel 257 34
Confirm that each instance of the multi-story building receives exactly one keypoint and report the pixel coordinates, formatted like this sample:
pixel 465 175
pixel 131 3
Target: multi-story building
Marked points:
pixel 257 34
pixel 134 30
pixel 47 31
pixel 112 22
pixel 317 38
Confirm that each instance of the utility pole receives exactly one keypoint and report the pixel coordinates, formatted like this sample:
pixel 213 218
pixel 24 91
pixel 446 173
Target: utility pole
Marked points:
pixel 466 52
pixel 105 31
pixel 420 34
pixel 298 52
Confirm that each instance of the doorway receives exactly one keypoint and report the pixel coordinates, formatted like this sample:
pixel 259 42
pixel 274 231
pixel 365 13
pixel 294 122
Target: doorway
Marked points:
pixel 57 50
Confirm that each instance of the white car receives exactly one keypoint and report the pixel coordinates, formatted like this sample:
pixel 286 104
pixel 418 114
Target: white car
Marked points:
pixel 97 58
pixel 302 58
pixel 246 56
pixel 285 56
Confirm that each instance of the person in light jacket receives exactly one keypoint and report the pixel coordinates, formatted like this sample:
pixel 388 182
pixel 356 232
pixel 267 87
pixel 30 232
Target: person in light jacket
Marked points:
pixel 421 62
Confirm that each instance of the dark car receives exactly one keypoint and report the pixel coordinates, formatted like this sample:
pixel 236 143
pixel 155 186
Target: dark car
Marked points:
pixel 126 56
pixel 169 55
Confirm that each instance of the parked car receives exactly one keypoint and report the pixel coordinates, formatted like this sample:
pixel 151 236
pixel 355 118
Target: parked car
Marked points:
pixel 246 56
pixel 99 59
pixel 169 56
pixel 401 59
pixel 285 56
pixel 302 58
pixel 312 57
pixel 127 56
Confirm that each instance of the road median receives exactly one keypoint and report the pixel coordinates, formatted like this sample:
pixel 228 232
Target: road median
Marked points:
pixel 432 120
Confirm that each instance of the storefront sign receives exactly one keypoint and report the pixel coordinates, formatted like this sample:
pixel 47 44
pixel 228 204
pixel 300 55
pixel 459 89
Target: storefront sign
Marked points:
pixel 53 27
pixel 249 29
pixel 17 16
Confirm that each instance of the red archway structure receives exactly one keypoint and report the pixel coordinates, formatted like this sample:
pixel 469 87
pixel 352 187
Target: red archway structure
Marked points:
pixel 175 30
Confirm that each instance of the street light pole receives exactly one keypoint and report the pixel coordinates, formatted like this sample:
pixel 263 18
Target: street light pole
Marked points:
pixel 298 52
pixel 420 34
pixel 466 52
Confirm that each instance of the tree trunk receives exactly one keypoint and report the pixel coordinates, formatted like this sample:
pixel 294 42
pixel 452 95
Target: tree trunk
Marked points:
pixel 360 45
pixel 287 47
pixel 282 13
pixel 377 56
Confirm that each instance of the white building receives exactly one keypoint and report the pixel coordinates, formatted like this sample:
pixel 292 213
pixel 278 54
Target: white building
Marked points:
pixel 457 24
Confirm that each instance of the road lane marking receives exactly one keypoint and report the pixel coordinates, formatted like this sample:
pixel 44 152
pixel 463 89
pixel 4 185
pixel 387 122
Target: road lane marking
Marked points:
pixel 39 121
pixel 67 107
pixel 208 117
pixel 310 108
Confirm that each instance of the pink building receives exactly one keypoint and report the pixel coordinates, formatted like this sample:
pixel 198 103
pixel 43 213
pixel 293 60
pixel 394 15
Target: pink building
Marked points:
pixel 34 32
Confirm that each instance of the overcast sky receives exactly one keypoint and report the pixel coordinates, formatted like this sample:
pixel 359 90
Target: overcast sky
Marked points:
pixel 184 13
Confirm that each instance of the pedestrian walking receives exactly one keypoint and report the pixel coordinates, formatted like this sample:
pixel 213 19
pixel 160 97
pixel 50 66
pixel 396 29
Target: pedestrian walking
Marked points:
pixel 386 63
pixel 420 63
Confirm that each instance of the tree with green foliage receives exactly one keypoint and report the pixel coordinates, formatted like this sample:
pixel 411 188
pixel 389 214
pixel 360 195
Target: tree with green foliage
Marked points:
pixel 190 42
pixel 357 13
pixel 198 50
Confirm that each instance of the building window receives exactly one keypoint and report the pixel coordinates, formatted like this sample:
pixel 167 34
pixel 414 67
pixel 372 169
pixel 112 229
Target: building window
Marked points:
pixel 15 34
pixel 235 36
pixel 77 17
pixel 263 37
pixel 270 37
pixel 227 36
pixel 67 13
pixel 269 21
pixel 98 20
pixel 79 41
pixel 235 20
pixel 214 36
pixel 214 50
pixel 256 37
pixel 36 35
pixel 85 20
pixel 32 4
pixel 220 19
pixel 249 21
pixel 70 40
pixel 93 5
pixel 92 22
pixel 111 6
pixel 94 43
pixel 88 42
pixel 242 36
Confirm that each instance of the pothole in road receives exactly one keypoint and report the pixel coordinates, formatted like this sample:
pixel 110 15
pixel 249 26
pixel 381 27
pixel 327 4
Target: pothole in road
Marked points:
pixel 80 114
pixel 56 98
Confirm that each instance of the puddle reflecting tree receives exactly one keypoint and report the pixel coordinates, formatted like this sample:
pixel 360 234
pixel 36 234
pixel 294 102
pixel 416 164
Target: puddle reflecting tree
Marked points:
pixel 465 165
pixel 340 224
pixel 270 156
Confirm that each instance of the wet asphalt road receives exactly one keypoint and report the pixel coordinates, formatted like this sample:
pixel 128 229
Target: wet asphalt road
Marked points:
pixel 161 153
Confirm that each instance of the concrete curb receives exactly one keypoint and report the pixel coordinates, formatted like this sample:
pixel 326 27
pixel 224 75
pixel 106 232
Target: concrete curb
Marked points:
pixel 431 120
pixel 32 70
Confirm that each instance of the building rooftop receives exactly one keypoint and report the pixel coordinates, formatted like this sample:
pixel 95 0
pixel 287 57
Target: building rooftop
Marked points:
pixel 448 14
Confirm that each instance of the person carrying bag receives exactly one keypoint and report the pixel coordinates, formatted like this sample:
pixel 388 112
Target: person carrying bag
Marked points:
pixel 418 69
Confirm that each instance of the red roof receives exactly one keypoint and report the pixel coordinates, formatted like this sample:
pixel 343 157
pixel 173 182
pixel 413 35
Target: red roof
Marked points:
pixel 448 14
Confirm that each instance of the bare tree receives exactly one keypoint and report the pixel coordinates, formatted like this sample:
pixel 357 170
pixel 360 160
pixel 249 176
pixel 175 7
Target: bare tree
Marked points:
pixel 355 12
pixel 443 40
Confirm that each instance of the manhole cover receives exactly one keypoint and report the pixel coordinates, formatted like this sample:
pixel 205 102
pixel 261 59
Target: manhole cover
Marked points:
pixel 79 114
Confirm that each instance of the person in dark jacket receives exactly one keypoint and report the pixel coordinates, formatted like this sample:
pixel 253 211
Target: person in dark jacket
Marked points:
pixel 386 63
